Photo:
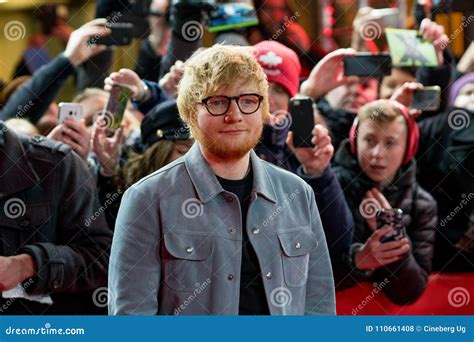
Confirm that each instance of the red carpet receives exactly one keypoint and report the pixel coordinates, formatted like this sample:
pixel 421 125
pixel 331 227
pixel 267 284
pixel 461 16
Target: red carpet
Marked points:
pixel 446 294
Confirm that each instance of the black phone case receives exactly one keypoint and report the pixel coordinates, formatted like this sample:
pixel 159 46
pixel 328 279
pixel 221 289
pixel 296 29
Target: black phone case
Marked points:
pixel 368 65
pixel 302 121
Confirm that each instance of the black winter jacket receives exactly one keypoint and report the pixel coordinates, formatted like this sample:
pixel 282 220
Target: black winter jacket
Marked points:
pixel 50 211
pixel 407 277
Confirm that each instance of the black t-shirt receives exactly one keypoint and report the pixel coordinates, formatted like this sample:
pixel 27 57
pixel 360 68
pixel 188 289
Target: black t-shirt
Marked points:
pixel 253 300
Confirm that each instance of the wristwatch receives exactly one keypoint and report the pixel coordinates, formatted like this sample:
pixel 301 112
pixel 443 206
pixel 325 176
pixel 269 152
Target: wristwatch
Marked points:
pixel 145 92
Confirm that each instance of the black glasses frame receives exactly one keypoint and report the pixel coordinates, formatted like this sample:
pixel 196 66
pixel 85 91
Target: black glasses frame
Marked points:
pixel 236 99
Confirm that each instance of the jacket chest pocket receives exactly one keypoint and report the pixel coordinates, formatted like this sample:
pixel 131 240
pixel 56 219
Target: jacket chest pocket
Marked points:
pixel 22 224
pixel 296 247
pixel 187 260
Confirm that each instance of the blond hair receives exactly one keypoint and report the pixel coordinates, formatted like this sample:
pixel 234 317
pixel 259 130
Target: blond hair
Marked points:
pixel 379 111
pixel 219 66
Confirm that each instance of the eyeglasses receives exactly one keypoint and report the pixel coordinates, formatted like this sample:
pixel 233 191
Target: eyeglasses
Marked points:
pixel 219 105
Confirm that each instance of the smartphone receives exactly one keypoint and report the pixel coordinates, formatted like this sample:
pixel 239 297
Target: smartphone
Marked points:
pixel 69 110
pixel 427 98
pixel 368 64
pixel 121 34
pixel 113 112
pixel 232 15
pixel 302 120
pixel 393 218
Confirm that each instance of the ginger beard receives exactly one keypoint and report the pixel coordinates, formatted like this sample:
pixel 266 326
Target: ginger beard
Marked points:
pixel 229 147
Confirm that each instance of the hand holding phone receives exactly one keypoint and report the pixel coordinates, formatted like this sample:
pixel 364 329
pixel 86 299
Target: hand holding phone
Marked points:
pixel 427 98
pixel 69 110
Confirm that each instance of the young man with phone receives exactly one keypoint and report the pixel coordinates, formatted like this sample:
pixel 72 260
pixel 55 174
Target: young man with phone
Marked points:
pixel 377 170
pixel 214 227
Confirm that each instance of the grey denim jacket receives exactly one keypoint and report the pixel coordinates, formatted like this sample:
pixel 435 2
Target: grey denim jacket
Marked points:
pixel 178 240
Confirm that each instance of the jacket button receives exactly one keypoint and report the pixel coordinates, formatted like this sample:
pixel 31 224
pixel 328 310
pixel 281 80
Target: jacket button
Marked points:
pixel 24 222
pixel 268 275
pixel 255 231
pixel 189 250
pixel 230 199
pixel 232 230
pixel 56 284
pixel 298 245
pixel 230 277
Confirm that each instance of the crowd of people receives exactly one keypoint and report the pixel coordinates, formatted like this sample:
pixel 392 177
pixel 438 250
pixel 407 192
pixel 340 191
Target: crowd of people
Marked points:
pixel 200 202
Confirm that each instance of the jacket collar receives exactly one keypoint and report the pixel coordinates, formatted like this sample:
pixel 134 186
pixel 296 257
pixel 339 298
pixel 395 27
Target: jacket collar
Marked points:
pixel 206 183
pixel 16 172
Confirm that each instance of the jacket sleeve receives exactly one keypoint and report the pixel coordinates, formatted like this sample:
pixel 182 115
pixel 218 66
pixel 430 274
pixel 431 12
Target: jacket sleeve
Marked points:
pixel 335 215
pixel 135 265
pixel 77 260
pixel 407 278
pixel 33 99
pixel 157 96
pixel 320 292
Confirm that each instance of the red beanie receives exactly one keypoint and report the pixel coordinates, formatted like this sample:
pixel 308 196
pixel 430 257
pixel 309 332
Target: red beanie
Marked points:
pixel 413 135
pixel 280 64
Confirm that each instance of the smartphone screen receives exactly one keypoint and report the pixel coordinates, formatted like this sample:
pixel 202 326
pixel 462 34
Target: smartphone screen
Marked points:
pixel 393 218
pixel 427 98
pixel 366 64
pixel 302 121
pixel 116 105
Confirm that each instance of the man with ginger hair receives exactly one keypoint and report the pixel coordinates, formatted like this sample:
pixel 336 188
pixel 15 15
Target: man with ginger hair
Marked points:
pixel 220 231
